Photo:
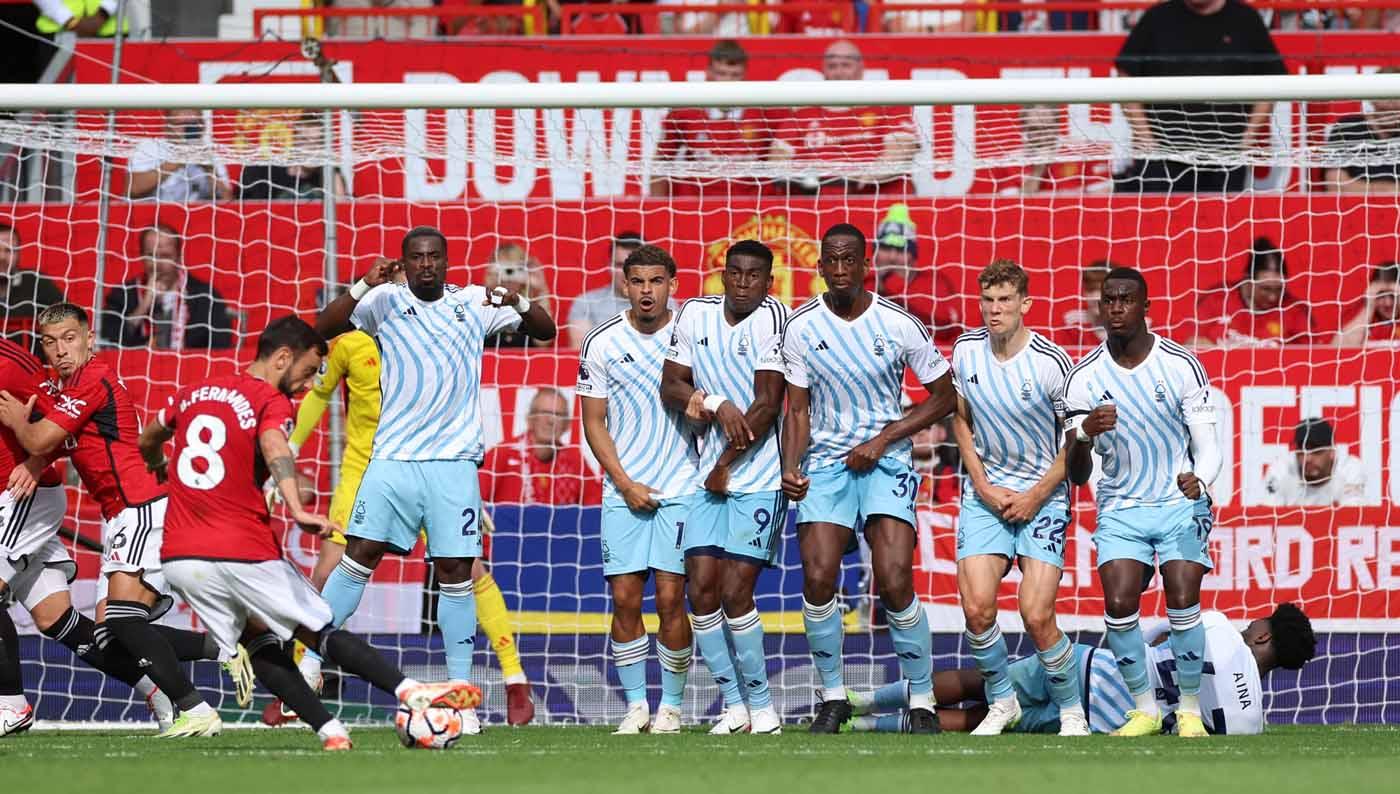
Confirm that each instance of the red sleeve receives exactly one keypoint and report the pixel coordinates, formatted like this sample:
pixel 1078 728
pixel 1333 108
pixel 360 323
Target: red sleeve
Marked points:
pixel 1298 325
pixel 169 416
pixel 1208 323
pixel 276 414
pixel 670 138
pixel 73 407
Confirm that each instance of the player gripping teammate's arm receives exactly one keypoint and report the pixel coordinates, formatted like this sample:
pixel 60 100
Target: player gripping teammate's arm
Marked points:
pixel 334 320
pixel 638 496
pixel 940 402
pixel 1010 505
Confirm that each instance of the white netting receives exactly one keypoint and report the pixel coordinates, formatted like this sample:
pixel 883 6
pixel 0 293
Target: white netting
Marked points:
pixel 1035 184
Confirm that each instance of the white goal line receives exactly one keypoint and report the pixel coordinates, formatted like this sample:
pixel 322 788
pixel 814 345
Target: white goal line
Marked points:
pixel 510 92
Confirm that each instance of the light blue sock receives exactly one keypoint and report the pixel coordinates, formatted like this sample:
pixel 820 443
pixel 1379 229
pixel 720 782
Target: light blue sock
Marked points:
pixel 989 651
pixel 746 631
pixel 630 659
pixel 675 665
pixel 714 649
pixel 913 644
pixel 884 723
pixel 457 622
pixel 893 696
pixel 823 625
pixel 1188 639
pixel 1062 666
pixel 1125 640
pixel 344 588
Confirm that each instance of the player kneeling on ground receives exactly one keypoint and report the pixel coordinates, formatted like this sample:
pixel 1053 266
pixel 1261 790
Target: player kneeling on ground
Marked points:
pixel 221 554
pixel 1231 689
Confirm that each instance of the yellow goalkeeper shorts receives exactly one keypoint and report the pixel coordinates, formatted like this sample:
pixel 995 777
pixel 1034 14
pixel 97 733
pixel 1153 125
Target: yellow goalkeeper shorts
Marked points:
pixel 344 499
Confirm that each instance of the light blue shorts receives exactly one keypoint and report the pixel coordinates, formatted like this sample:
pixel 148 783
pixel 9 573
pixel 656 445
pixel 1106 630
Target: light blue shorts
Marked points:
pixel 981 531
pixel 1030 680
pixel 741 526
pixel 443 497
pixel 1171 532
pixel 843 497
pixel 637 542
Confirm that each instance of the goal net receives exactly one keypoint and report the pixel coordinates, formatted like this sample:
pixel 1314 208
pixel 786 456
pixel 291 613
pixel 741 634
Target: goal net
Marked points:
pixel 1284 284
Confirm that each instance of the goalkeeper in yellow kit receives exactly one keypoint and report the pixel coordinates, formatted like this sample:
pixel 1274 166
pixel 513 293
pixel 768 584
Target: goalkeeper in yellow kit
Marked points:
pixel 354 359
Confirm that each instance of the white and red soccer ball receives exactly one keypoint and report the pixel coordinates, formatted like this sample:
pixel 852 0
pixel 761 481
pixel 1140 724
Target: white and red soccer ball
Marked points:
pixel 432 728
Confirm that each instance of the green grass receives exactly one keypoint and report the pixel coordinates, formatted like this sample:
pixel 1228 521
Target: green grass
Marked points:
pixel 572 760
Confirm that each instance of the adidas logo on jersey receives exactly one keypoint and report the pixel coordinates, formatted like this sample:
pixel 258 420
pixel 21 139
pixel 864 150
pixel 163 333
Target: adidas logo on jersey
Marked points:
pixel 410 312
pixel 822 345
pixel 704 341
pixel 1107 396
pixel 973 380
pixel 627 359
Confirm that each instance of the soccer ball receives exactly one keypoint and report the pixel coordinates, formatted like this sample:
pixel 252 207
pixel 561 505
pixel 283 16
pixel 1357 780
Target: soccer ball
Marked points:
pixel 433 728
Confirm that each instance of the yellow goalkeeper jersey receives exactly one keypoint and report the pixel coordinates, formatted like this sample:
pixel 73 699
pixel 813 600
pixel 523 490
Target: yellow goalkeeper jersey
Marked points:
pixel 354 359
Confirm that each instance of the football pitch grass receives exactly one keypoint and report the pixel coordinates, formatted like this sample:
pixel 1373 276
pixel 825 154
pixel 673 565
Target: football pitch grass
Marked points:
pixel 1309 760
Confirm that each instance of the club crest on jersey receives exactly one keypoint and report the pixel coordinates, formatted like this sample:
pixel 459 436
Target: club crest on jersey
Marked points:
pixel 70 405
pixel 743 348
pixel 359 515
pixel 879 346
pixel 1026 390
pixel 1160 392
pixel 460 312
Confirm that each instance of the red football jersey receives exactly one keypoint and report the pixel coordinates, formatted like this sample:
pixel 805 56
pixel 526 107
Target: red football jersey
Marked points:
pixel 216 507
pixel 22 376
pixel 96 411
pixel 842 135
pixel 1384 332
pixel 1223 318
pixel 718 139
pixel 510 473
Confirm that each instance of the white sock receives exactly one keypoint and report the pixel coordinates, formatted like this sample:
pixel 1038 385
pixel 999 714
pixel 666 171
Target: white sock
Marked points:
pixel 1190 703
pixel 145 687
pixel 16 702
pixel 310 667
pixel 203 709
pixel 404 686
pixel 923 701
pixel 518 678
pixel 833 693
pixel 1146 702
pixel 333 728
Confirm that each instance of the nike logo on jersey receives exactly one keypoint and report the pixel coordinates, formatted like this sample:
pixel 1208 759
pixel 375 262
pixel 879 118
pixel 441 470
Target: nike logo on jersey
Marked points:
pixel 822 345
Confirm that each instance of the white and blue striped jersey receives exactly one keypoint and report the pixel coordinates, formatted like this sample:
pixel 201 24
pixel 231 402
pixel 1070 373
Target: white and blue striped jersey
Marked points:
pixel 430 376
pixel 723 359
pixel 1017 408
pixel 1157 402
pixel 1232 696
pixel 854 373
pixel 654 444
pixel 1103 693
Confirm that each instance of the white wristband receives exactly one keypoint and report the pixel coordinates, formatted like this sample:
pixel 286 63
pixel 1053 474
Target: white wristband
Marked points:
pixel 522 304
pixel 1079 433
pixel 359 290
pixel 713 402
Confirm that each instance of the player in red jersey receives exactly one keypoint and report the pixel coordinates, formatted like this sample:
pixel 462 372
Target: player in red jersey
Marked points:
pixel 91 418
pixel 538 467
pixel 221 554
pixel 855 149
pixel 716 140
pixel 35 568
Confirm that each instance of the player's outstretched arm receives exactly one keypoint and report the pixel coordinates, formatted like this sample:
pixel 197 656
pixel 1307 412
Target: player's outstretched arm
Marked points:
pixel 152 444
pixel 942 398
pixel 797 434
pixel 534 317
pixel 37 438
pixel 595 431
pixel 334 320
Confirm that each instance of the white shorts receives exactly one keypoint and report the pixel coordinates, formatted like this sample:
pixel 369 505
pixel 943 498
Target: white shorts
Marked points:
pixel 33 561
pixel 131 544
pixel 225 595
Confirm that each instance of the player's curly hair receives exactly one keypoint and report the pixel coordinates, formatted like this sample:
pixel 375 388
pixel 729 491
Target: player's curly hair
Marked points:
pixel 1293 640
pixel 1005 271
pixel 650 256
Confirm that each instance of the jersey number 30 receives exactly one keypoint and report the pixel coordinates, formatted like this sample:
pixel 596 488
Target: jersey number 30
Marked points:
pixel 196 448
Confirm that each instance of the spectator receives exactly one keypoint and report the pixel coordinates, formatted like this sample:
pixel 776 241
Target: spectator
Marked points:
pixel 383 27
pixel 699 23
pixel 897 276
pixel 1377 321
pixel 166 308
pixel 590 24
pixel 927 20
pixel 871 147
pixel 1370 144
pixel 511 268
pixel 1053 167
pixel 1257 310
pixel 597 305
pixel 714 140
pixel 296 182
pixel 1316 472
pixel 1082 327
pixel 155 168
pixel 940 469
pixel 470 24
pixel 23 293
pixel 538 467
pixel 1195 37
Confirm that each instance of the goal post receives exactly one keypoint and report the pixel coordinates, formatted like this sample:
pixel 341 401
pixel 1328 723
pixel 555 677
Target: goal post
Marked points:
pixel 533 182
